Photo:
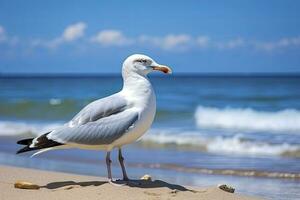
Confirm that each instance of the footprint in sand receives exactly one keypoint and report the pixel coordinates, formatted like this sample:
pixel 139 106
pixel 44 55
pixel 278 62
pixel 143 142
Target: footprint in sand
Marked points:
pixel 151 193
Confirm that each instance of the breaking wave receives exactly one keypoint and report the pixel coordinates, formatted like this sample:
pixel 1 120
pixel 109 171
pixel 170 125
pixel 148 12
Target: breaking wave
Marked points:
pixel 219 144
pixel 9 128
pixel 287 120
pixel 181 139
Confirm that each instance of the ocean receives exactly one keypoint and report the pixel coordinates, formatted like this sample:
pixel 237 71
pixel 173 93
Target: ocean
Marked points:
pixel 241 130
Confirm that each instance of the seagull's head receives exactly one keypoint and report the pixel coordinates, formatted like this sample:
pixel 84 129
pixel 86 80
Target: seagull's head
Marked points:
pixel 143 65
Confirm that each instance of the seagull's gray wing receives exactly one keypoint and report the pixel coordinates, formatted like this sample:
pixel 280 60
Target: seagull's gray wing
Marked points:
pixel 103 131
pixel 101 122
pixel 99 109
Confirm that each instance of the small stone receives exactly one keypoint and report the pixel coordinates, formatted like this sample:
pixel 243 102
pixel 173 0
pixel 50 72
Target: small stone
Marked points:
pixel 226 188
pixel 174 191
pixel 26 185
pixel 146 177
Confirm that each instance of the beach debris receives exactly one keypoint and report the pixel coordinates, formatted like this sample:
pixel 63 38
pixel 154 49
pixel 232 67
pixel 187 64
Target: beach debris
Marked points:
pixel 26 185
pixel 146 177
pixel 174 191
pixel 151 193
pixel 226 188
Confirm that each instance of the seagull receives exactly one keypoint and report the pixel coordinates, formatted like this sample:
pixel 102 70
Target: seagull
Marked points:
pixel 110 122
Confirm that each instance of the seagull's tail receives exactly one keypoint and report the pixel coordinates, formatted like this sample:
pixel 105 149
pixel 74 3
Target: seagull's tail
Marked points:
pixel 40 143
pixel 27 142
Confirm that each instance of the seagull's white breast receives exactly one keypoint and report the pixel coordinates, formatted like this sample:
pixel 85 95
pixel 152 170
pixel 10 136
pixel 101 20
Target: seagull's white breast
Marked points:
pixel 141 99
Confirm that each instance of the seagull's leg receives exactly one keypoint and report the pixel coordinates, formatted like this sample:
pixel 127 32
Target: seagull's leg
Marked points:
pixel 108 164
pixel 121 160
pixel 125 177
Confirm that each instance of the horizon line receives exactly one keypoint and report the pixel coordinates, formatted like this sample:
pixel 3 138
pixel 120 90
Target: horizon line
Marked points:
pixel 181 74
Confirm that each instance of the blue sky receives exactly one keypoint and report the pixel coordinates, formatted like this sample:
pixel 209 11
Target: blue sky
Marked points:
pixel 53 36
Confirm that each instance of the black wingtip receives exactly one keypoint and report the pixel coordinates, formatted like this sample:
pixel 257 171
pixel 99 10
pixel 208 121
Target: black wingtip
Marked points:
pixel 25 149
pixel 42 142
pixel 27 141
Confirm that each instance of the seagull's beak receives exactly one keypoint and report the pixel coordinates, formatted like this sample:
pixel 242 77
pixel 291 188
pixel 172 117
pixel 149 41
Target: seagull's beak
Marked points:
pixel 162 68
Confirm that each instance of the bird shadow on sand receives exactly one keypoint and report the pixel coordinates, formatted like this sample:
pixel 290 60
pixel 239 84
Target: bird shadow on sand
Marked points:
pixel 131 183
pixel 56 185
pixel 155 184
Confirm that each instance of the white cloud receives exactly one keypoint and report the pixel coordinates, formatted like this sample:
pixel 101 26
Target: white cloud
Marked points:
pixel 175 41
pixel 71 33
pixel 202 41
pixel 168 42
pixel 111 38
pixel 231 44
pixel 279 44
pixel 117 38
pixel 145 39
pixel 74 31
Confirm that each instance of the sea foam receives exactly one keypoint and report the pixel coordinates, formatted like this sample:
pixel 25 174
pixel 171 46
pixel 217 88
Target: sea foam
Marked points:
pixel 248 119
pixel 235 144
pixel 194 139
pixel 12 128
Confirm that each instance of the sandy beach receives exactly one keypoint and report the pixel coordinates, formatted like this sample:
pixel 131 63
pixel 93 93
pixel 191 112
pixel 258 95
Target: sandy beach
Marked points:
pixel 56 185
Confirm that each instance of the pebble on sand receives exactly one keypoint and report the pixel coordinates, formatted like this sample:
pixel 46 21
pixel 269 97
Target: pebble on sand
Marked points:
pixel 26 185
pixel 226 188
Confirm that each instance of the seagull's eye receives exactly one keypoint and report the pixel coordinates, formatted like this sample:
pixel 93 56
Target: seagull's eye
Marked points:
pixel 142 60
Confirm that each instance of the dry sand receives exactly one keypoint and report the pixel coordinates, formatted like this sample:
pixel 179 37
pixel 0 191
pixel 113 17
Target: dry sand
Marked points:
pixel 55 185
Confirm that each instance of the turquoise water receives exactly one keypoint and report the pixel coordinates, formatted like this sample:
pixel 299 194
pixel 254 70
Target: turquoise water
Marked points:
pixel 205 126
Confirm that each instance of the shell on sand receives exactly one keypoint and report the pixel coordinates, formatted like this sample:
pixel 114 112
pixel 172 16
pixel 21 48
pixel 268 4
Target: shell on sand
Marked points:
pixel 26 185
pixel 226 188
pixel 146 177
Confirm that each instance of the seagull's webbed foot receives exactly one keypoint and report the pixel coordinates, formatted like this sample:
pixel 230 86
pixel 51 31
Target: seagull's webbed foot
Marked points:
pixel 117 183
pixel 123 180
